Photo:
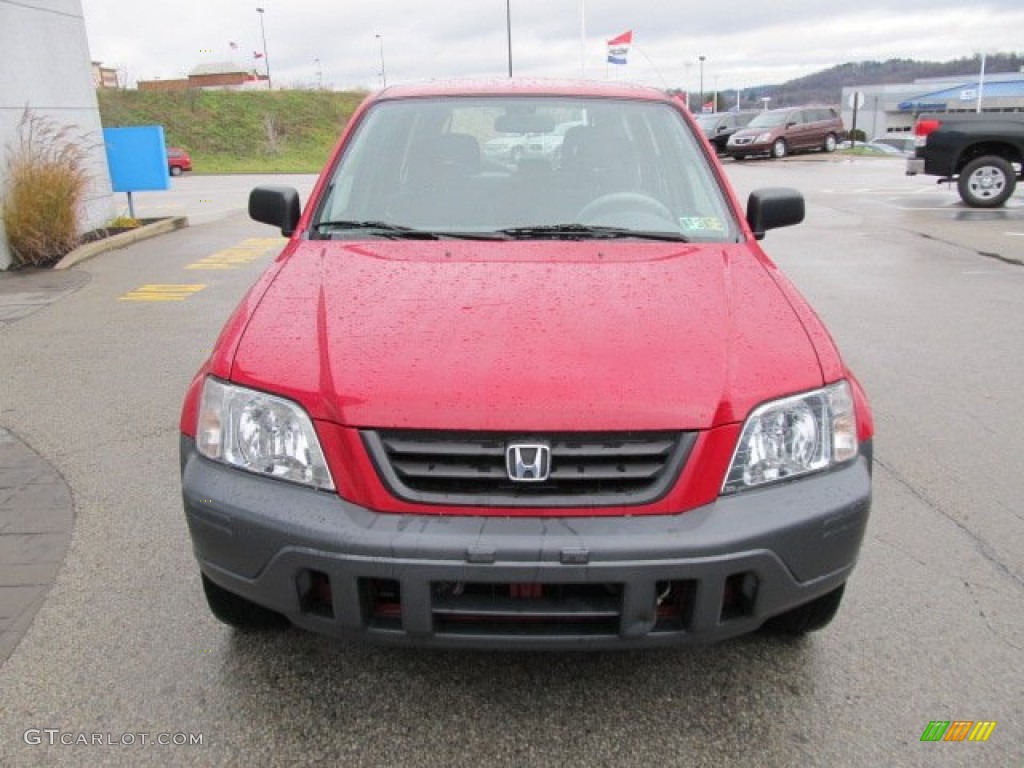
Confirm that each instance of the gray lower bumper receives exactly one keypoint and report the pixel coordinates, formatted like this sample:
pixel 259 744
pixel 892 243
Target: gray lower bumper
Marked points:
pixel 783 546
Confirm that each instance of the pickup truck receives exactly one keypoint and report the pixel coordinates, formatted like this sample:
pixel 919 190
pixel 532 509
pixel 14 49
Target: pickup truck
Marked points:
pixel 981 152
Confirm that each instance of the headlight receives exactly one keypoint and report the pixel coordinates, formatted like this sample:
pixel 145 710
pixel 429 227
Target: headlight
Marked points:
pixel 763 137
pixel 794 436
pixel 260 433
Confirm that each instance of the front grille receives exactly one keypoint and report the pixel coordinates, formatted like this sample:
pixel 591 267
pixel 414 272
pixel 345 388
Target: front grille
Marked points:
pixel 586 469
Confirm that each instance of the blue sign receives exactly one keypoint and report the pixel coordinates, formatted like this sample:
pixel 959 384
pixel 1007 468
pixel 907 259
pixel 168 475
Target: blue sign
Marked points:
pixel 137 158
pixel 922 106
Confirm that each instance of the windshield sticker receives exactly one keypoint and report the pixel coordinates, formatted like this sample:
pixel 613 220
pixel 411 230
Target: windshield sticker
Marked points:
pixel 701 224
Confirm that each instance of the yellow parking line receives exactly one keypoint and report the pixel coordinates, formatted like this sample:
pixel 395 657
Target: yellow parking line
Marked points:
pixel 247 251
pixel 159 292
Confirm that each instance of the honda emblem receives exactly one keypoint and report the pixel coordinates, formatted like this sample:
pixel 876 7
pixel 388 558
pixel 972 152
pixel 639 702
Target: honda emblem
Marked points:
pixel 528 462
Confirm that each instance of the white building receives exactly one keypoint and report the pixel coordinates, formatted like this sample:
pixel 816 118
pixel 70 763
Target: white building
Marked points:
pixel 47 67
pixel 889 109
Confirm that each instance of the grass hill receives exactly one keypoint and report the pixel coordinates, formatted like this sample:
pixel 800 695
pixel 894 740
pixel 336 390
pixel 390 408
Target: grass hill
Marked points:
pixel 225 132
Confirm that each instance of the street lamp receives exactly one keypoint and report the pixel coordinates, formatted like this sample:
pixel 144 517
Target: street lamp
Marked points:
pixel 701 59
pixel 266 59
pixel 383 73
pixel 319 75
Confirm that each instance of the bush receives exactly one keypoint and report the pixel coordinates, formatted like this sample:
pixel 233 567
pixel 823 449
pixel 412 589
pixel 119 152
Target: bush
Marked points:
pixel 44 190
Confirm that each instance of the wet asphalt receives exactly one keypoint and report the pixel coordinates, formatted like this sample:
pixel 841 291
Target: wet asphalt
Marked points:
pixel 123 650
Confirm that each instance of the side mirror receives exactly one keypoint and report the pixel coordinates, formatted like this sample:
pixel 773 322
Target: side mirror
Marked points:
pixel 774 207
pixel 277 206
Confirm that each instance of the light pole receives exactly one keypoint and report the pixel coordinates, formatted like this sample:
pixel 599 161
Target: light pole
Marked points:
pixel 319 75
pixel 686 84
pixel 383 73
pixel 266 59
pixel 701 60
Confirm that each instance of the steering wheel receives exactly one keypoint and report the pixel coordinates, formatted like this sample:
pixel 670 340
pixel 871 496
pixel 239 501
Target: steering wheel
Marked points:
pixel 621 202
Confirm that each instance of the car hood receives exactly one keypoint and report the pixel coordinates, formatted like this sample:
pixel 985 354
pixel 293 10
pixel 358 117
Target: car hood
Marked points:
pixel 525 335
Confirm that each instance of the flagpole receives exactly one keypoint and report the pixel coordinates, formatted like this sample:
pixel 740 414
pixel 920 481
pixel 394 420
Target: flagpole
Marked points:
pixel 583 39
pixel 981 83
pixel 508 27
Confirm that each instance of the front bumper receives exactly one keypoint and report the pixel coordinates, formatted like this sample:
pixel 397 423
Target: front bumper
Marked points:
pixel 519 582
pixel 751 148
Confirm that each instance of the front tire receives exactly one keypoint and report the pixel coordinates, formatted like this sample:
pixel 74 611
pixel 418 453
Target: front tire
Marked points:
pixel 830 143
pixel 779 149
pixel 175 170
pixel 986 182
pixel 809 617
pixel 238 612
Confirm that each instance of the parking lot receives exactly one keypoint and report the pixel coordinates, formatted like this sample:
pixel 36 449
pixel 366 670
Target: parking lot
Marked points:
pixel 924 296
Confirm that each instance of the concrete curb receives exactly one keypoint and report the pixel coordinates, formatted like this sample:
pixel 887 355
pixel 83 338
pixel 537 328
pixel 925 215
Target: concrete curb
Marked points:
pixel 122 240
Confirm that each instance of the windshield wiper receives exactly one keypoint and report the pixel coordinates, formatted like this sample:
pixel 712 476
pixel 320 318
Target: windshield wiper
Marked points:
pixel 378 229
pixel 400 232
pixel 588 232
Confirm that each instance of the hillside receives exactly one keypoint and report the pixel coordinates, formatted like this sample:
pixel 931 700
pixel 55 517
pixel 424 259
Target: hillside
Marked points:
pixel 228 131
pixel 826 87
pixel 294 131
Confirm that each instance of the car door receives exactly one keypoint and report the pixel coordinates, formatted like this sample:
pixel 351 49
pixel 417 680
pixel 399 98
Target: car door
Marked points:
pixel 798 129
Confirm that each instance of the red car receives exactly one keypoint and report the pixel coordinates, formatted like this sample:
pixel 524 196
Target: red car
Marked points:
pixel 565 404
pixel 178 161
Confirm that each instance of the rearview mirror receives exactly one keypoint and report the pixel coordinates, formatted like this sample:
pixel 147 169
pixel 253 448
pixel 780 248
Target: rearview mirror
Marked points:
pixel 277 206
pixel 524 122
pixel 774 207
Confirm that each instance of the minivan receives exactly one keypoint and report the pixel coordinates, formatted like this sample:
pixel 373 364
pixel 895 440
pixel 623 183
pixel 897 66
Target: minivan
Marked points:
pixel 779 132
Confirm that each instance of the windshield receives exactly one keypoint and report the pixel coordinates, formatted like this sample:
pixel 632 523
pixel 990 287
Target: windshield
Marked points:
pixel 518 167
pixel 768 120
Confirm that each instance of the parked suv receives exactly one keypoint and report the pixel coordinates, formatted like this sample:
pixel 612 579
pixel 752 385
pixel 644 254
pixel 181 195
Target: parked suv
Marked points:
pixel 778 132
pixel 541 406
pixel 719 126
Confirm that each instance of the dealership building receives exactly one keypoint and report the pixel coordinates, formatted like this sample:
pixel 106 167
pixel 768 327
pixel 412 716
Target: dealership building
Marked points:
pixel 893 109
pixel 48 71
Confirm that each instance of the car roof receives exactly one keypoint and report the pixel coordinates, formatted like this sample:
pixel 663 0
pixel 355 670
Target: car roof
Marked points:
pixel 523 87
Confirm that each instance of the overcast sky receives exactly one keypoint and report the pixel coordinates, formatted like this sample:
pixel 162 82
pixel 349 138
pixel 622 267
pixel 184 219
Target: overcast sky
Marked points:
pixel 745 42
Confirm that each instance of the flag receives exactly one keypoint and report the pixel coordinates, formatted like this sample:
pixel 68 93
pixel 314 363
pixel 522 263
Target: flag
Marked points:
pixel 618 47
pixel 257 55
pixel 709 106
